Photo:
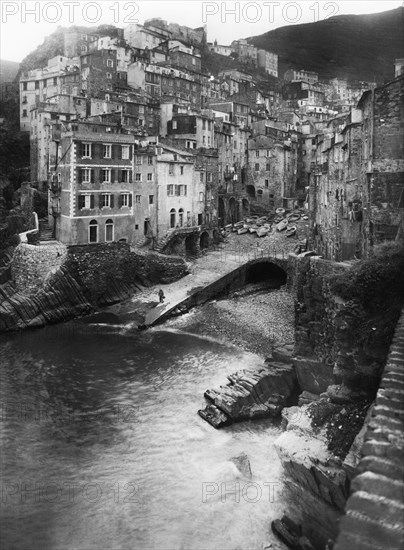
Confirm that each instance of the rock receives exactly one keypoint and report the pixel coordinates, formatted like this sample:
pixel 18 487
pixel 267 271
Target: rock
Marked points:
pixel 255 393
pixel 243 464
pixel 214 416
pixel 340 394
pixel 307 397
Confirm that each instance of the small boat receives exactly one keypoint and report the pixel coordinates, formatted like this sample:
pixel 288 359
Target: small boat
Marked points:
pixel 242 230
pixel 305 217
pixel 263 219
pixel 291 230
pixel 282 225
pixel 293 218
pixel 253 229
pixel 280 211
pixel 278 219
pixel 228 226
pixel 262 232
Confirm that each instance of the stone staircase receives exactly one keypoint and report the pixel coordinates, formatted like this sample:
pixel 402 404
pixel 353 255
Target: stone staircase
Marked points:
pixel 45 231
pixel 164 241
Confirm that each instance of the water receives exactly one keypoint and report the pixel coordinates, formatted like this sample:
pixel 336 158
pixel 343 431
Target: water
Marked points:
pixel 103 447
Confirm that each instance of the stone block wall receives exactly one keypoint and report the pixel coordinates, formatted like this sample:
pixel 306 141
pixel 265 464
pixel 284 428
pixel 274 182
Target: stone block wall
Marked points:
pixel 374 515
pixel 32 265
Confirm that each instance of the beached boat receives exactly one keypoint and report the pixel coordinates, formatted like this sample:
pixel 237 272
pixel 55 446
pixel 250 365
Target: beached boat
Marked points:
pixel 262 232
pixel 291 230
pixel 242 230
pixel 293 218
pixel 282 225
pixel 280 211
pixel 253 229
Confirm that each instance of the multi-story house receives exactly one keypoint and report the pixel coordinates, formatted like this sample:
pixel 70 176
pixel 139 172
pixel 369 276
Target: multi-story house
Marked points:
pixel 98 72
pixel 221 50
pixel 143 37
pixel 293 75
pixel 38 84
pixel 192 131
pixel 183 56
pixel 93 191
pixel 268 61
pixel 246 53
pixel 78 41
pixel 301 94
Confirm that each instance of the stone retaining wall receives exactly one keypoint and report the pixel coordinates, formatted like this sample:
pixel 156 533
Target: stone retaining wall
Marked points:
pixel 374 515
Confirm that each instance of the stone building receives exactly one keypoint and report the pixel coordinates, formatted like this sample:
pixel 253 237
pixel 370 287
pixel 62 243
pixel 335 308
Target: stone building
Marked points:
pixel 357 183
pixel 268 61
pixel 98 72
pixel 93 191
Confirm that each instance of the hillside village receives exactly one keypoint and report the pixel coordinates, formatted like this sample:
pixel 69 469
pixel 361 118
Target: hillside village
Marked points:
pixel 135 140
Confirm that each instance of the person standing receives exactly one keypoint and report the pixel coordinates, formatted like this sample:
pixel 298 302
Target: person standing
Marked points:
pixel 161 296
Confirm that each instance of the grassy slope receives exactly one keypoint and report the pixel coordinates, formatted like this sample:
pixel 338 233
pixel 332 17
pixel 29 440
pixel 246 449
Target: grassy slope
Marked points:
pixel 352 46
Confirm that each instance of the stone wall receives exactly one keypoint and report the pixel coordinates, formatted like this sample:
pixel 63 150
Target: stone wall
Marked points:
pixel 32 265
pixel 327 349
pixel 374 515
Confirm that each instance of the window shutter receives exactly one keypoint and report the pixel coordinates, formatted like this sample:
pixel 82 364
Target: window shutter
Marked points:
pixel 120 176
pixel 115 151
pixel 92 179
pixel 112 201
pixel 80 147
pixel 130 152
pixel 80 175
pixel 130 176
pixel 100 201
pixel 91 201
pixel 130 200
pixel 81 201
pixel 177 190
pixel 120 200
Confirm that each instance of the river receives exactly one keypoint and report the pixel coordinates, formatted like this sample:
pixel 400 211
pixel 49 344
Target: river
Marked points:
pixel 103 447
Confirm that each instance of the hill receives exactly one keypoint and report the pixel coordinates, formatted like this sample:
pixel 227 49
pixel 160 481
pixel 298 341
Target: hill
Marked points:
pixel 347 46
pixel 8 70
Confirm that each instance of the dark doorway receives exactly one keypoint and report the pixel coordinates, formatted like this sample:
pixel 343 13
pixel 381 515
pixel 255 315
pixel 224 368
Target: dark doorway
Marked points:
pixel 191 248
pixel 222 214
pixel 266 272
pixel 204 240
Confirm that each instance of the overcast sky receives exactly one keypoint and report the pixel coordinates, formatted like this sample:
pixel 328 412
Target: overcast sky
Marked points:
pixel 24 25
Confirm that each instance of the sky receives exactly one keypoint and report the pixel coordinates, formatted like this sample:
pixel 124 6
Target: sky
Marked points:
pixel 25 24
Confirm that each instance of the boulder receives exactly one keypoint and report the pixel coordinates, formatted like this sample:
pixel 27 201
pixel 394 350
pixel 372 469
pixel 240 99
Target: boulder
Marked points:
pixel 214 416
pixel 243 465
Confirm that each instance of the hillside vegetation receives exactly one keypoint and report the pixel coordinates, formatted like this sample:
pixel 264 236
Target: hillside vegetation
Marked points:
pixel 347 46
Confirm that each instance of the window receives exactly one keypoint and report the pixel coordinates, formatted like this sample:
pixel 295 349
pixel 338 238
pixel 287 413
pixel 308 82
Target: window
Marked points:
pixel 171 169
pixel 137 199
pixel 181 217
pixel 268 153
pixel 126 200
pixel 174 124
pixel 110 63
pixel 235 144
pixel 150 177
pixel 204 140
pixel 201 197
pixel 209 177
pixel 24 113
pixel 257 167
pixel 268 167
pixel 138 176
pixel 37 85
pixel 86 150
pixel 106 200
pixel 259 195
pixel 109 76
pixel 182 170
pixel 106 175
pixel 86 201
pixel 86 175
pixel 203 124
pixel 125 152
pixel 149 160
pixel 126 176
pixel 257 154
pixel 93 232
pixel 172 217
pixel 24 86
pixel 109 231
pixel 170 190
pixel 201 177
pixel 106 151
pixel 181 190
pixel 139 159
pixel 266 183
pixel 151 199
